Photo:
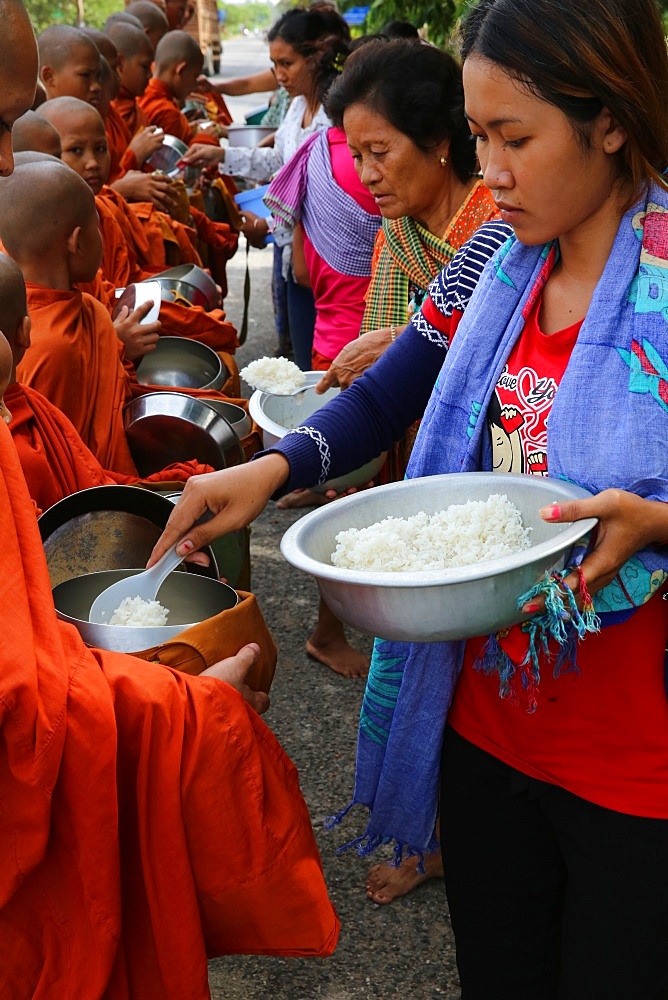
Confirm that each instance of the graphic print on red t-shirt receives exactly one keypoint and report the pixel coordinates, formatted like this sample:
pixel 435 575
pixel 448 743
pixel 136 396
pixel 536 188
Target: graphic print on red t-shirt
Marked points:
pixel 518 410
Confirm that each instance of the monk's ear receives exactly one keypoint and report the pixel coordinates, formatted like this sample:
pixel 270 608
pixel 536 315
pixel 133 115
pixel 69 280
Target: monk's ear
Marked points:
pixel 179 68
pixel 46 75
pixel 23 333
pixel 73 241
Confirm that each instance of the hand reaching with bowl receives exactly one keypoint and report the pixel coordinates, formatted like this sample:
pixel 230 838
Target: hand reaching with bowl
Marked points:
pixel 354 359
pixel 234 671
pixel 234 496
pixel 138 338
pixel 156 188
pixel 627 523
pixel 146 142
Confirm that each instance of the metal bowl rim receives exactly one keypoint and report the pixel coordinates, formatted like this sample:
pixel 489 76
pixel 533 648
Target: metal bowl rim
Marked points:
pixel 542 552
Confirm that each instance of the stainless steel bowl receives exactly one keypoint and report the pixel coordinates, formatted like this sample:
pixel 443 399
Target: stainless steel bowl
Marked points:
pixel 104 528
pixel 166 427
pixel 248 135
pixel 182 363
pixel 276 415
pixel 235 415
pixel 189 599
pixel 190 282
pixel 436 604
pixel 168 155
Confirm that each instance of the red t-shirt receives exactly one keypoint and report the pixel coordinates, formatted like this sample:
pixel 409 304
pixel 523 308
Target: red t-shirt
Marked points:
pixel 601 733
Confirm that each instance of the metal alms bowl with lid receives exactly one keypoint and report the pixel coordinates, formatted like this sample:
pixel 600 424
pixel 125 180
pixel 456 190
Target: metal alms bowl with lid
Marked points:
pixel 106 528
pixel 435 605
pixel 190 282
pixel 166 427
pixel 168 155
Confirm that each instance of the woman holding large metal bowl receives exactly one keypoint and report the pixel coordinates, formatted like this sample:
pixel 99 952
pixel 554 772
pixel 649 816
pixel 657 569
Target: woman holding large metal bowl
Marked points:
pixel 554 820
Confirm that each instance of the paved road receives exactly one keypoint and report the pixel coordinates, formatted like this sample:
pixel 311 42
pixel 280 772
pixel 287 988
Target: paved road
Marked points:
pixel 243 57
pixel 402 950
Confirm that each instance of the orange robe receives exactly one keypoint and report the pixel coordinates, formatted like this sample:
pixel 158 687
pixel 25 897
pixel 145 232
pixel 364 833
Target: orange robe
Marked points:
pixel 75 361
pixel 119 261
pixel 159 108
pixel 54 459
pixel 150 819
pixel 119 138
pixel 125 105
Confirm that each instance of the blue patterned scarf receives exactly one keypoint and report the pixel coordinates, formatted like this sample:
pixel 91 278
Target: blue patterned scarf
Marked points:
pixel 608 427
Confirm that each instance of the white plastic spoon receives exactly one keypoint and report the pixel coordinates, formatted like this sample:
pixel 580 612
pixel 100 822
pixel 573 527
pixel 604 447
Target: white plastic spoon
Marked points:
pixel 145 585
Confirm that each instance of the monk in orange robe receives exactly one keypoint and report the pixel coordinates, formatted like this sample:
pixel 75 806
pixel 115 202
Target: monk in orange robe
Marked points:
pixel 151 819
pixel 49 225
pixel 69 64
pixel 178 64
pixel 85 150
pixel 54 459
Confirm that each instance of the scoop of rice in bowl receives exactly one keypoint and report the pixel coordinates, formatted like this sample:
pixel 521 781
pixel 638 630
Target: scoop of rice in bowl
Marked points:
pixel 454 601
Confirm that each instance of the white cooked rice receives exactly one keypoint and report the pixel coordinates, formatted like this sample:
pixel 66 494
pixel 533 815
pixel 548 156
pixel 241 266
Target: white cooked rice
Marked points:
pixel 458 536
pixel 277 375
pixel 139 612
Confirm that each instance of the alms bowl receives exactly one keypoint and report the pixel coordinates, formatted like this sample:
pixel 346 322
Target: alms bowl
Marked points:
pixel 435 605
pixel 183 363
pixel 276 415
pixel 189 599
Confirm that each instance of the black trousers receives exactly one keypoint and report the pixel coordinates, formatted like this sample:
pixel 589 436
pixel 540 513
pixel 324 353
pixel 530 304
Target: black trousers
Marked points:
pixel 550 896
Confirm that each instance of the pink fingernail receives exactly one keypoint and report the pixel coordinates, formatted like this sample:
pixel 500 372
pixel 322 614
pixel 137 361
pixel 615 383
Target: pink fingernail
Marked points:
pixel 185 547
pixel 530 608
pixel 552 513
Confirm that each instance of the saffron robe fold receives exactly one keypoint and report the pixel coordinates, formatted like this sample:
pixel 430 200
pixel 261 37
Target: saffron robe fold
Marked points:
pixel 75 361
pixel 159 108
pixel 54 459
pixel 119 138
pixel 126 107
pixel 150 819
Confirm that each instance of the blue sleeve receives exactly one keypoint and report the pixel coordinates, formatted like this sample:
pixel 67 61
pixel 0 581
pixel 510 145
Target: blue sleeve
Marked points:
pixel 376 410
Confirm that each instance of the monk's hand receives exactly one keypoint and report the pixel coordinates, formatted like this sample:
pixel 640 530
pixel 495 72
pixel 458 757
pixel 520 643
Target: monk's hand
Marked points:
pixel 137 337
pixel 235 670
pixel 233 498
pixel 201 154
pixel 354 359
pixel 255 229
pixel 626 524
pixel 146 142
pixel 156 188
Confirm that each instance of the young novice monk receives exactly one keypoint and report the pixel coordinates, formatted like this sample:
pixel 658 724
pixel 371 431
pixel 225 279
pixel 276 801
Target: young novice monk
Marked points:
pixel 54 459
pixel 33 132
pixel 151 18
pixel 85 150
pixel 69 63
pixel 49 225
pixel 178 64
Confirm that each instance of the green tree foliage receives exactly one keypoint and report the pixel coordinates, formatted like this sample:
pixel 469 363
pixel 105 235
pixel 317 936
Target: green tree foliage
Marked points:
pixel 45 12
pixel 247 15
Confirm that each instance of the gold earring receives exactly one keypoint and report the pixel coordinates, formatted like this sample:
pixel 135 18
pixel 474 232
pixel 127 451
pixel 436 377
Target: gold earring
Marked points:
pixel 443 161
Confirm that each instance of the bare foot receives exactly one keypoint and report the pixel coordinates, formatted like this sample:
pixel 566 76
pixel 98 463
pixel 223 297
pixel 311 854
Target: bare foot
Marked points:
pixel 339 657
pixel 385 882
pixel 301 498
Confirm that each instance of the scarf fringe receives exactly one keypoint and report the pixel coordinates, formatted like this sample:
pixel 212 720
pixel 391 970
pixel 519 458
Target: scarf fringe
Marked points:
pixel 367 843
pixel 561 621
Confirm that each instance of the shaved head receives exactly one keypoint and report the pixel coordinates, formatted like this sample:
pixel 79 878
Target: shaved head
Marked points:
pixel 153 20
pixel 63 112
pixel 122 17
pixel 41 204
pixel 130 41
pixel 104 45
pixel 177 47
pixel 18 73
pixel 13 309
pixel 85 147
pixel 33 132
pixel 69 63
pixel 58 42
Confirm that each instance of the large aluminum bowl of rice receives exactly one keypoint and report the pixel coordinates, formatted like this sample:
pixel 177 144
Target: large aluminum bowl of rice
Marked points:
pixel 479 534
pixel 276 415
